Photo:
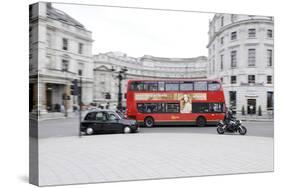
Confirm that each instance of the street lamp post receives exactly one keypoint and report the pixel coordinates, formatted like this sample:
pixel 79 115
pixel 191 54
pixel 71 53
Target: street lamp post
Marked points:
pixel 80 104
pixel 65 93
pixel 121 76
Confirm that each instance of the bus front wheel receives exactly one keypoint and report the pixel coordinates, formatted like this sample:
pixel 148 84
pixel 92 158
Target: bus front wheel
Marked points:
pixel 201 121
pixel 149 122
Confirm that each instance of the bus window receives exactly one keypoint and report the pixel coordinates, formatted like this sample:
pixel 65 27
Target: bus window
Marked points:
pixel 136 86
pixel 200 86
pixel 207 107
pixel 173 107
pixel 150 86
pixel 186 86
pixel 214 86
pixel 216 107
pixel 200 107
pixel 161 86
pixel 161 107
pixel 151 107
pixel 141 107
pixel 172 86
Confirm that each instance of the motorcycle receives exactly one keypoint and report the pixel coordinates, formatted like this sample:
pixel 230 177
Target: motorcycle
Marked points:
pixel 232 126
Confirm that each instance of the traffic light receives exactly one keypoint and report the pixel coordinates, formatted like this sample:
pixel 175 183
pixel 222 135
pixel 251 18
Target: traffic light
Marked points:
pixel 74 87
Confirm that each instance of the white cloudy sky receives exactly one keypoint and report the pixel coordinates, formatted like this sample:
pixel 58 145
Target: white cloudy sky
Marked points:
pixel 143 32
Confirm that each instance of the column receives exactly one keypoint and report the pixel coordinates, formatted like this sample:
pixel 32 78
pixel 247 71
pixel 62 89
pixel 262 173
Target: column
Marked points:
pixel 67 101
pixel 41 98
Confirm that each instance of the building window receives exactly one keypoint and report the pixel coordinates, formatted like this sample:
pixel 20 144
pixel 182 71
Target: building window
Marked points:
pixel 80 48
pixel 49 62
pixel 233 58
pixel 233 35
pixel 233 79
pixel 30 53
pixel 251 33
pixel 65 65
pixel 64 44
pixel 222 38
pixel 80 72
pixel 233 17
pixel 251 57
pixel 214 66
pixel 30 33
pixel 30 11
pixel 49 40
pixel 269 58
pixel 222 21
pixel 30 43
pixel 269 79
pixel 251 79
pixel 232 99
pixel 221 62
pixel 270 100
pixel 269 33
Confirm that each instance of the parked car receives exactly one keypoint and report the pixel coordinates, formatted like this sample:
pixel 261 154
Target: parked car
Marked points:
pixel 107 121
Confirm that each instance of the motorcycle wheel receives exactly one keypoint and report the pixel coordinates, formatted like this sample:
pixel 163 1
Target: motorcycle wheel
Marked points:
pixel 242 130
pixel 220 130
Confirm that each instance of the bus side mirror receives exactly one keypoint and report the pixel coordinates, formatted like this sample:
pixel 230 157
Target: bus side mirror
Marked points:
pixel 125 96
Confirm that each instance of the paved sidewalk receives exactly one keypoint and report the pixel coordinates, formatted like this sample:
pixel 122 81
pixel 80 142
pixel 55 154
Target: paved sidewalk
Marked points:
pixel 57 115
pixel 118 157
pixel 256 118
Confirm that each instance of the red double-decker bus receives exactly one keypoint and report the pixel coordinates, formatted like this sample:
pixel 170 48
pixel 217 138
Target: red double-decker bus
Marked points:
pixel 175 102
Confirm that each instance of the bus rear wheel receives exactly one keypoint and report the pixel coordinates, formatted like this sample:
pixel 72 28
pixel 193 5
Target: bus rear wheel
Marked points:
pixel 149 122
pixel 201 121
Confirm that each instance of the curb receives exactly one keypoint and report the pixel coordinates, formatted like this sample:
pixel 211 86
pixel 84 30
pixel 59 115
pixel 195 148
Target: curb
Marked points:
pixel 257 120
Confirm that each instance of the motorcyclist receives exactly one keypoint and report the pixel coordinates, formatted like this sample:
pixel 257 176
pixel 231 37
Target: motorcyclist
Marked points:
pixel 228 118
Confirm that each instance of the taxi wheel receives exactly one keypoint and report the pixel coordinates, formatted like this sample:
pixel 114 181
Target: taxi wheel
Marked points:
pixel 127 130
pixel 89 131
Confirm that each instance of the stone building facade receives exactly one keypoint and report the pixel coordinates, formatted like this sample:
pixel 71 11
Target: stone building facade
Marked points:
pixel 60 51
pixel 241 55
pixel 107 65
